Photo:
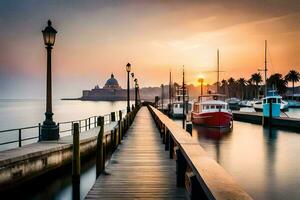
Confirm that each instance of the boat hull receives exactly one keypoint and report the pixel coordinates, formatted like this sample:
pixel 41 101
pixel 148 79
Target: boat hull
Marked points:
pixel 212 119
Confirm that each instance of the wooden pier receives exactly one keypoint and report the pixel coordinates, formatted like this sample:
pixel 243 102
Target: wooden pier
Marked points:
pixel 142 167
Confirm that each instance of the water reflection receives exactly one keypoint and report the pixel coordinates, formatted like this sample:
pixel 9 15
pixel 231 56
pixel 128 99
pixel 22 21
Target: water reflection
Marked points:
pixel 75 188
pixel 264 162
pixel 213 134
pixel 270 136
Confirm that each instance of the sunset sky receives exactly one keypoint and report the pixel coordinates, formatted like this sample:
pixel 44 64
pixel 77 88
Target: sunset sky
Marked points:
pixel 96 38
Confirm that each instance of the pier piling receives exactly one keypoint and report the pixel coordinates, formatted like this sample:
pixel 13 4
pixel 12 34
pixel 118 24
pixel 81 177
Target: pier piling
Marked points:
pixel 76 163
pixel 76 152
pixel 180 168
pixel 120 127
pixel 100 162
pixel 189 127
pixel 113 116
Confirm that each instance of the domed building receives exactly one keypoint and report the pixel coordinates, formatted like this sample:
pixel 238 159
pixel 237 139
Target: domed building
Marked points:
pixel 111 91
pixel 112 83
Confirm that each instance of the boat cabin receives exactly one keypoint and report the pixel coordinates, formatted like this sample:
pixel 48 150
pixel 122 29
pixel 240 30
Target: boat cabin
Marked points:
pixel 210 106
pixel 276 103
pixel 293 100
pixel 273 99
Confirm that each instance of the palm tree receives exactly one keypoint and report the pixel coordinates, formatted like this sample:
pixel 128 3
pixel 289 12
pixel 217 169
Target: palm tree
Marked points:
pixel 294 77
pixel 231 83
pixel 224 86
pixel 276 80
pixel 241 83
pixel 256 79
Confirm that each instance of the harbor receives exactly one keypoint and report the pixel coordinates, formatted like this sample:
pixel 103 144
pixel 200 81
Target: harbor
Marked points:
pixel 149 100
pixel 217 143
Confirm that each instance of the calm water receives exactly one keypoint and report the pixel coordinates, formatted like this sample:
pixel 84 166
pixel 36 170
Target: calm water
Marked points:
pixel 24 113
pixel 21 113
pixel 264 163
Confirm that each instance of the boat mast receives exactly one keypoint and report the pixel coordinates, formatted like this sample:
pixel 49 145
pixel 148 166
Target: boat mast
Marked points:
pixel 170 87
pixel 266 69
pixel 218 71
pixel 183 100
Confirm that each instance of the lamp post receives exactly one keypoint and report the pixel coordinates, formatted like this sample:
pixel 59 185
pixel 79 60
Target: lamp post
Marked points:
pixel 162 97
pixel 201 80
pixel 49 131
pixel 128 68
pixel 138 94
pixel 183 100
pixel 136 89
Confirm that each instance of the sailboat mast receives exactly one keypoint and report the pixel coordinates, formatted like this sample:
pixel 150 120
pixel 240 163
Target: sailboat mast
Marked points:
pixel 266 69
pixel 170 87
pixel 183 100
pixel 218 71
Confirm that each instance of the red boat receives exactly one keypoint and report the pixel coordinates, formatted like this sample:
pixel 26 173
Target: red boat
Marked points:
pixel 211 113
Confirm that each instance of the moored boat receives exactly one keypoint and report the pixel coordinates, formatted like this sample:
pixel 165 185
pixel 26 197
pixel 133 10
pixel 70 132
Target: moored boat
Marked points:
pixel 293 100
pixel 177 105
pixel 275 98
pixel 233 103
pixel 246 103
pixel 212 113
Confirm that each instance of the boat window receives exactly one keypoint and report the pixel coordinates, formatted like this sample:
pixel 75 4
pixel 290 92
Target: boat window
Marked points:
pixel 181 105
pixel 273 100
pixel 219 107
pixel 265 101
pixel 212 106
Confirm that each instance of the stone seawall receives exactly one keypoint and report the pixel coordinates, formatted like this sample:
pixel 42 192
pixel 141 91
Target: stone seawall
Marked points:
pixel 28 162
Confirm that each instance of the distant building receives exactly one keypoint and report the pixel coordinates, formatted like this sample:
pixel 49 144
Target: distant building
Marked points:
pixel 111 91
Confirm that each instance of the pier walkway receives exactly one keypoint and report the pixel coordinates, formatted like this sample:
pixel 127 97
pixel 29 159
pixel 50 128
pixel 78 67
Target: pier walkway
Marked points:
pixel 140 168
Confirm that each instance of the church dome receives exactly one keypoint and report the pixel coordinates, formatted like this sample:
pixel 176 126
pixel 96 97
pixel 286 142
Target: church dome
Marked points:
pixel 112 82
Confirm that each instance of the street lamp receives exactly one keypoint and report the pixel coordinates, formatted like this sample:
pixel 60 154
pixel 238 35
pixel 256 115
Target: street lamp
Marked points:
pixel 128 68
pixel 49 131
pixel 138 94
pixel 162 97
pixel 136 88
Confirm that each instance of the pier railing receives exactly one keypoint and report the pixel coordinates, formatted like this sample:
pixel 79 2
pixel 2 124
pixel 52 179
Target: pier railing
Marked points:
pixel 202 176
pixel 108 143
pixel 18 137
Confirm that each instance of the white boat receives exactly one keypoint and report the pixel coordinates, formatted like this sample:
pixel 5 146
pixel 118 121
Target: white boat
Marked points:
pixel 246 103
pixel 293 100
pixel 177 105
pixel 233 103
pixel 258 105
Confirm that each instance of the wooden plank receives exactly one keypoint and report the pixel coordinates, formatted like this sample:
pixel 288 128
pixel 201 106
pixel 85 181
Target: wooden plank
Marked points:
pixel 140 168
